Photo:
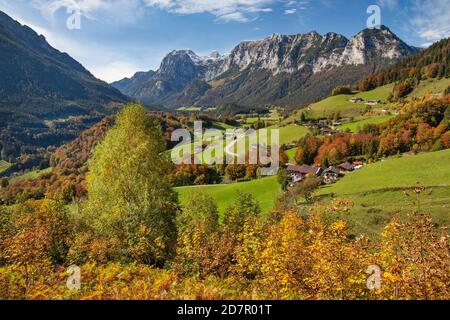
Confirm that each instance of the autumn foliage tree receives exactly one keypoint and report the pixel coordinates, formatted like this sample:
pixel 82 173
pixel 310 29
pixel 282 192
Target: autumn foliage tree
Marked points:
pixel 128 196
pixel 198 228
pixel 415 259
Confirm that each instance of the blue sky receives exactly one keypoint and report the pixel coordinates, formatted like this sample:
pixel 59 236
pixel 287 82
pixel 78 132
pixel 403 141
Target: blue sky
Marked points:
pixel 119 37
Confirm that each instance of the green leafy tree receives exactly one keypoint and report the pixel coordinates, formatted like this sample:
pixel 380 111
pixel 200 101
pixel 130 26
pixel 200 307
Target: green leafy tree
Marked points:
pixel 284 178
pixel 341 90
pixel 307 188
pixel 302 117
pixel 128 197
pixel 235 217
pixel 4 183
pixel 236 243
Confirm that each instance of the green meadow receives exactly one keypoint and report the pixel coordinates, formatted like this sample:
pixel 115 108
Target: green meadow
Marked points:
pixel 287 134
pixel 378 190
pixel 291 154
pixel 4 165
pixel 190 109
pixel 221 126
pixel 433 86
pixel 30 175
pixel 265 191
pixel 341 103
pixel 359 124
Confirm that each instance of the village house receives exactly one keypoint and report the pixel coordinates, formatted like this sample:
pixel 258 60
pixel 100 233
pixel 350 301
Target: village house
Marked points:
pixel 323 123
pixel 356 100
pixel 373 102
pixel 331 175
pixel 327 131
pixel 322 126
pixel 291 146
pixel 299 173
pixel 357 165
pixel 345 167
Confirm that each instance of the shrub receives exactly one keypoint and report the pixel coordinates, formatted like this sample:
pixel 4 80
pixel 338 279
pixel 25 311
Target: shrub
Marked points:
pixel 402 89
pixel 341 90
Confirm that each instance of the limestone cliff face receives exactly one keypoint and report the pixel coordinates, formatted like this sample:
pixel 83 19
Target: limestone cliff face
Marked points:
pixel 185 74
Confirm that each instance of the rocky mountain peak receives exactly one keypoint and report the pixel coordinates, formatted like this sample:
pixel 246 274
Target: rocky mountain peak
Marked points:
pixel 300 55
pixel 370 44
pixel 215 55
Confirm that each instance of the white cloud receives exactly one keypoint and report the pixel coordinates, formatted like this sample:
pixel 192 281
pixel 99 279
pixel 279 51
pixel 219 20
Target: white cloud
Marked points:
pixel 50 7
pixel 114 71
pixel 234 16
pixel 122 10
pixel 428 20
pixel 390 4
pixel 296 6
pixel 224 10
pixel 431 19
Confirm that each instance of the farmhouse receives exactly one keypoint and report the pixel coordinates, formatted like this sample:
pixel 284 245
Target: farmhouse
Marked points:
pixel 331 175
pixel 298 173
pixel 323 127
pixel 373 102
pixel 345 167
pixel 327 131
pixel 356 100
pixel 357 165
pixel 323 123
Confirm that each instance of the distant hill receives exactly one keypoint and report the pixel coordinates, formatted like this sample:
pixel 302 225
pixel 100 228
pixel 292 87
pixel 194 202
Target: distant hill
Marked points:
pixel 46 97
pixel 433 62
pixel 290 70
pixel 40 80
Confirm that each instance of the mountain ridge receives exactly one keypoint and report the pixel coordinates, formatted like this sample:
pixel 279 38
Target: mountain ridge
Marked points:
pixel 46 97
pixel 277 61
pixel 40 80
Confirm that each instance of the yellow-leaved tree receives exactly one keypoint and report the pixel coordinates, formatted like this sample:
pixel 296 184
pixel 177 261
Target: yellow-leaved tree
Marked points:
pixel 129 200
pixel 198 227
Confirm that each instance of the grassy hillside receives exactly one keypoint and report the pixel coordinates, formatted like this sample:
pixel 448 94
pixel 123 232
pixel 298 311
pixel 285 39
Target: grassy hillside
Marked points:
pixel 4 165
pixel 378 190
pixel 189 109
pixel 430 169
pixel 292 133
pixel 354 126
pixel 222 126
pixel 341 104
pixel 30 175
pixel 264 190
pixel 291 154
pixel 433 86
pixel 288 134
